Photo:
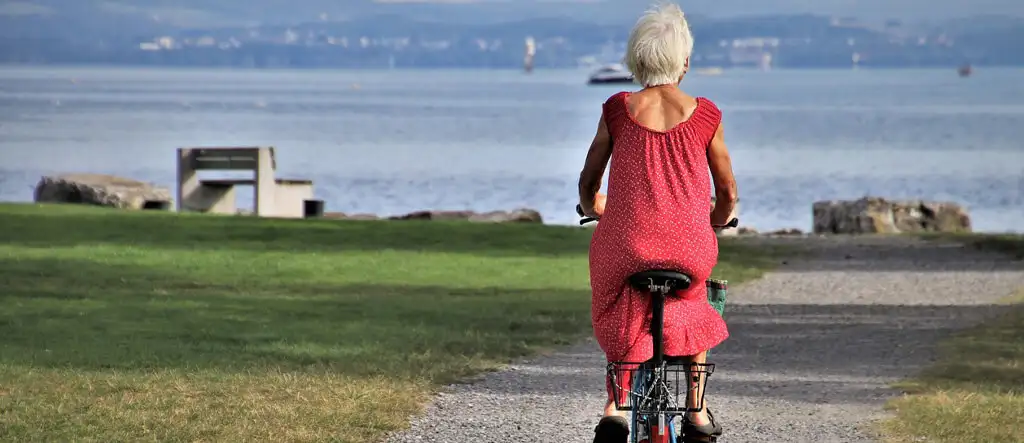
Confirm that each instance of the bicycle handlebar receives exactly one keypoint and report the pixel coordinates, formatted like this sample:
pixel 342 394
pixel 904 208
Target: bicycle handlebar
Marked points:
pixel 584 220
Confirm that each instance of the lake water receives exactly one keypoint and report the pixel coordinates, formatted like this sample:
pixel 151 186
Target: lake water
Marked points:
pixel 390 142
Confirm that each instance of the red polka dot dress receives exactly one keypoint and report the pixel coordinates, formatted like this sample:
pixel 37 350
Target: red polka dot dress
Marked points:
pixel 657 217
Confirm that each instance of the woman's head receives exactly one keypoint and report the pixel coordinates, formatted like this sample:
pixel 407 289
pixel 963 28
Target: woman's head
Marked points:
pixel 659 47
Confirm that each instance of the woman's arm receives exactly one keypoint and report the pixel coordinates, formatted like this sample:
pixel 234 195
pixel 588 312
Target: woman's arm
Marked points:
pixel 726 194
pixel 593 170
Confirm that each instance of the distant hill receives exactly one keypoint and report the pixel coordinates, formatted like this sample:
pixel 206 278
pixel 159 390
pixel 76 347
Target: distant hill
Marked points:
pixel 205 13
pixel 431 35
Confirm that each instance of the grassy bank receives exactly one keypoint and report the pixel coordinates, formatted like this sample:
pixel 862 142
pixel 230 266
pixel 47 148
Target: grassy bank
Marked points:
pixel 975 392
pixel 1010 244
pixel 157 327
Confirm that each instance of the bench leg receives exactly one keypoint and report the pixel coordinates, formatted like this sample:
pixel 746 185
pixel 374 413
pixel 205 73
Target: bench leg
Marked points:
pixel 188 180
pixel 265 183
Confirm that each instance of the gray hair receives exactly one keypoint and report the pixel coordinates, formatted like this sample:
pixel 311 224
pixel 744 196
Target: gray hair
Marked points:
pixel 659 46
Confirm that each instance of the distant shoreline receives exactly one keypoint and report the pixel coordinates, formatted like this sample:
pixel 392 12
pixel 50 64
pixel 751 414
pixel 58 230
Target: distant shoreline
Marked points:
pixel 537 70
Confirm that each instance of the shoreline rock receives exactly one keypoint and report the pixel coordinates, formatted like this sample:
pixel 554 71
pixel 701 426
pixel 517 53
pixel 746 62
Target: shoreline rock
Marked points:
pixel 102 190
pixel 522 215
pixel 344 216
pixel 785 232
pixel 868 215
pixel 875 215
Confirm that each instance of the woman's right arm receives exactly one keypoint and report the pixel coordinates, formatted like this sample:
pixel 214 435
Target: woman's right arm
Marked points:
pixel 591 201
pixel 726 194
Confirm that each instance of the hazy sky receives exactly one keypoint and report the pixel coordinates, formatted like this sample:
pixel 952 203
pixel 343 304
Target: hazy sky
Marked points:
pixel 909 10
pixel 876 8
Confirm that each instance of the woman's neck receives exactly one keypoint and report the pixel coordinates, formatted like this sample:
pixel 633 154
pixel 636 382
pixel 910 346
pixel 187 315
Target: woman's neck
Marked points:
pixel 663 86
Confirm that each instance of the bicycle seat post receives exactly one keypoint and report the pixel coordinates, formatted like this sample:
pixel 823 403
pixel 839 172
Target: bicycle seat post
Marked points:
pixel 658 293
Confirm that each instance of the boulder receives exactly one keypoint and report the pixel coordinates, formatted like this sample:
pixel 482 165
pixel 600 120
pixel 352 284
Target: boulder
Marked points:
pixel 743 230
pixel 514 216
pixel 785 232
pixel 344 216
pixel 433 215
pixel 874 215
pixel 102 190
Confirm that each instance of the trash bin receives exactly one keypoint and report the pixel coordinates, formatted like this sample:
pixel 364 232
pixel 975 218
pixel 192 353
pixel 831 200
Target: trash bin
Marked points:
pixel 313 208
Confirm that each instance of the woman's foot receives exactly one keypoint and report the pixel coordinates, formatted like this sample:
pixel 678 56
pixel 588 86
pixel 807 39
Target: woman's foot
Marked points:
pixel 701 426
pixel 698 418
pixel 612 429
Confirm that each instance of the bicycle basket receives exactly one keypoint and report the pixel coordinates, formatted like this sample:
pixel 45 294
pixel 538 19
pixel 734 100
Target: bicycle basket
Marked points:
pixel 637 387
pixel 717 290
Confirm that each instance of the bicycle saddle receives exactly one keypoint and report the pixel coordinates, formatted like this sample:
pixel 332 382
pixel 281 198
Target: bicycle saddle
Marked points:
pixel 659 278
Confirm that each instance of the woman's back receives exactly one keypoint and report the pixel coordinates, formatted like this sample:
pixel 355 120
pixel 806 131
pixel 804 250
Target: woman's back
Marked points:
pixel 659 189
pixel 662 108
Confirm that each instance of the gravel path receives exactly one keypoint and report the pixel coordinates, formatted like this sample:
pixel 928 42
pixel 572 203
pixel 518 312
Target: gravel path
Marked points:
pixel 813 348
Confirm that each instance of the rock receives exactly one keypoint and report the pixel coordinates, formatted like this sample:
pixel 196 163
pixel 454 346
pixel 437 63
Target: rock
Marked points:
pixel 514 216
pixel 785 232
pixel 434 215
pixel 363 217
pixel 344 216
pixel 871 215
pixel 102 190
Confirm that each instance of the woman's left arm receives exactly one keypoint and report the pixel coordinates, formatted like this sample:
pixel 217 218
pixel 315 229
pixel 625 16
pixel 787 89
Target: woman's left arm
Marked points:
pixel 593 171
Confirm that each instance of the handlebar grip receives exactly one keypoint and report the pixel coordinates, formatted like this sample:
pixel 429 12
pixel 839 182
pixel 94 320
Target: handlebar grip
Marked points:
pixel 584 220
pixel 732 223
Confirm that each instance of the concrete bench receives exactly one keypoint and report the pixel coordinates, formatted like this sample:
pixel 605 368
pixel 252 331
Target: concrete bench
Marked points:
pixel 273 197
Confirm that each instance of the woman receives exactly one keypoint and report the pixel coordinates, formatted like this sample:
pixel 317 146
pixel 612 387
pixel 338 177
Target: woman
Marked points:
pixel 656 214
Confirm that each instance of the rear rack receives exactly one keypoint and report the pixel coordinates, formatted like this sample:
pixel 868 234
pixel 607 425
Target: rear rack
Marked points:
pixel 637 388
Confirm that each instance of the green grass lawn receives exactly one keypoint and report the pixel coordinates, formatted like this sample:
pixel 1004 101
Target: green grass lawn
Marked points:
pixel 123 326
pixel 975 393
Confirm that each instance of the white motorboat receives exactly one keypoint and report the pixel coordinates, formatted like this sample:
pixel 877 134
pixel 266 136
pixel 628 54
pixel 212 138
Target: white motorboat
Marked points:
pixel 612 73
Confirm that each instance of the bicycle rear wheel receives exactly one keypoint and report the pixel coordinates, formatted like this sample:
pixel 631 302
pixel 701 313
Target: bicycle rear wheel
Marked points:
pixel 643 427
pixel 647 432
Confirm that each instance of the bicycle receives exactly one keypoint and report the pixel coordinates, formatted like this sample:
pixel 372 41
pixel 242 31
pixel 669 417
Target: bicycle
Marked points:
pixel 649 385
